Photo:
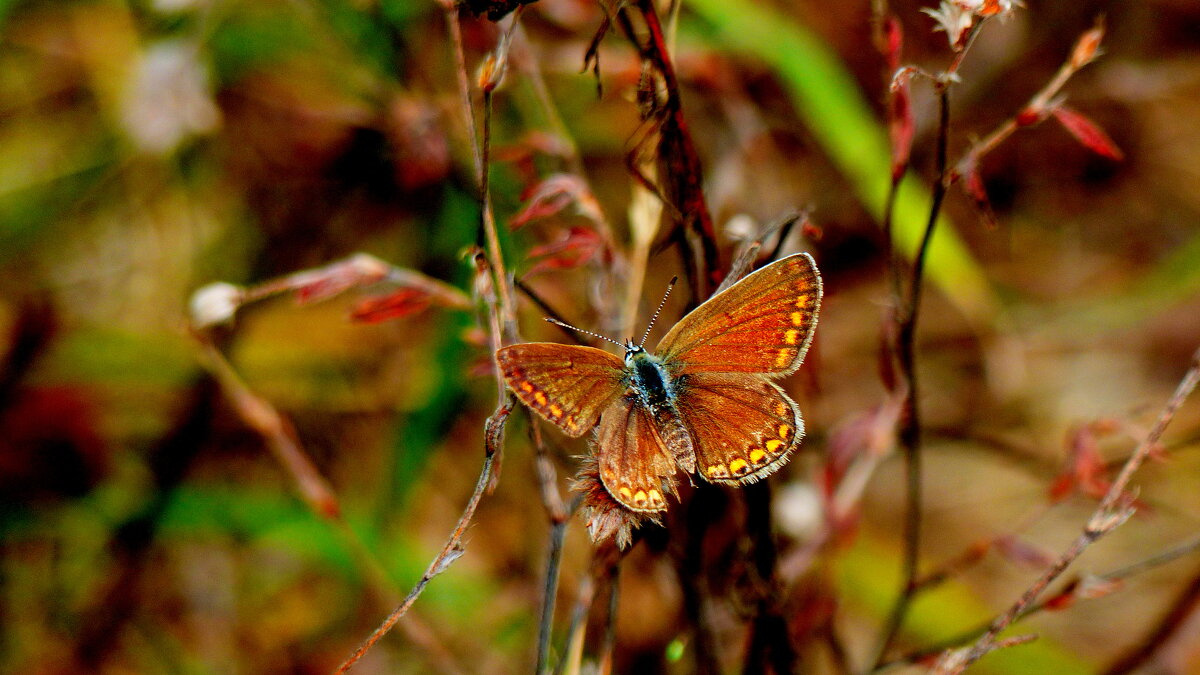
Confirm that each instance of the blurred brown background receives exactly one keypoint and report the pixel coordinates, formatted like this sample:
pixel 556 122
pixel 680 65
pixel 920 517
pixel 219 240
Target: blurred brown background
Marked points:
pixel 149 148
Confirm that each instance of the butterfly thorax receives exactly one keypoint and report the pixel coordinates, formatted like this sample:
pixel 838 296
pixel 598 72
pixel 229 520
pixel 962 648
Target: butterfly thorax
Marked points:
pixel 651 381
pixel 649 378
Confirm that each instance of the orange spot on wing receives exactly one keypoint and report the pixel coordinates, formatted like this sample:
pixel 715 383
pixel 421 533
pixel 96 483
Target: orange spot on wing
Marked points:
pixel 738 466
pixel 526 387
pixel 555 410
pixel 540 398
pixel 757 454
pixel 784 357
pixel 773 446
pixel 784 431
pixel 802 301
pixel 797 318
pixel 791 336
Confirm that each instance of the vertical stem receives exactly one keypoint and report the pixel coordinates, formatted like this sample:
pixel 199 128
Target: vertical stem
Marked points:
pixel 910 429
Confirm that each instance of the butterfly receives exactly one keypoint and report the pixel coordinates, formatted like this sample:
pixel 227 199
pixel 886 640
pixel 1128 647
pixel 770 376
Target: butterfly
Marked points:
pixel 703 402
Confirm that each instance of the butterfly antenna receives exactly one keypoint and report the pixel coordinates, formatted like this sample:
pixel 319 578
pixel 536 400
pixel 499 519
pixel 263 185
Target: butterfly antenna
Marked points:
pixel 657 311
pixel 556 322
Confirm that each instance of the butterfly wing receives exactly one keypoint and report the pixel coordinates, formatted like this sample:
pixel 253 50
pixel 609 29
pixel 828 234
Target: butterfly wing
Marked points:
pixel 762 324
pixel 566 385
pixel 635 465
pixel 743 427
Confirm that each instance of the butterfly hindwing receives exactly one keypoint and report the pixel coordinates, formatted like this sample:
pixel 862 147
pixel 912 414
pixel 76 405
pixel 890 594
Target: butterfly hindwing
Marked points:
pixel 743 427
pixel 635 465
pixel 567 385
pixel 762 324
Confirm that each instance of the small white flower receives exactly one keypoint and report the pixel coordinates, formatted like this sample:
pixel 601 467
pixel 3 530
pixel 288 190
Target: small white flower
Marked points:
pixel 798 511
pixel 956 17
pixel 214 304
pixel 168 98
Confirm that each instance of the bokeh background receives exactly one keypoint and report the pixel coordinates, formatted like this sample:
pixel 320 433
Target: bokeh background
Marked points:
pixel 149 148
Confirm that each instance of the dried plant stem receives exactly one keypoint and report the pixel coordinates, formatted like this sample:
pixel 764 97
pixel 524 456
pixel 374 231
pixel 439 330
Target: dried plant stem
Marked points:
pixel 481 151
pixel 910 419
pixel 1184 606
pixel 1039 105
pixel 1120 574
pixel 557 514
pixel 680 173
pixel 1114 509
pixel 280 438
pixel 494 438
pixel 603 570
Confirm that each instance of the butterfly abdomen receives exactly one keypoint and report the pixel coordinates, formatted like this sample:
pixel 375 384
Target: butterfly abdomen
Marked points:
pixel 657 390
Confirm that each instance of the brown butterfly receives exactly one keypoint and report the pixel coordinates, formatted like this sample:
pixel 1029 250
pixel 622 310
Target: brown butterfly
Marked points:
pixel 703 402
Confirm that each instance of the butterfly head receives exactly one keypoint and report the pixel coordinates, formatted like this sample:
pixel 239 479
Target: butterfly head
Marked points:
pixel 632 350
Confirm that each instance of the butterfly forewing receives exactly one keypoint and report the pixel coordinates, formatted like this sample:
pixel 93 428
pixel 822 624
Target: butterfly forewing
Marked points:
pixel 743 427
pixel 635 465
pixel 762 324
pixel 567 385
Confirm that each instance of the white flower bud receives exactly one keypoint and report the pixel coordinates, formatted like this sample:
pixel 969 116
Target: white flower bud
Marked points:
pixel 214 304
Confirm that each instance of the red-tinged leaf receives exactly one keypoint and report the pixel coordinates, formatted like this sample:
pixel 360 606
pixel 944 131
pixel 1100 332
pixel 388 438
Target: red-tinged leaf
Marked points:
pixel 1064 598
pixel 900 129
pixel 973 185
pixel 326 282
pixel 580 246
pixel 1087 132
pixel 484 366
pixel 1061 488
pixel 1023 553
pixel 1085 470
pixel 401 303
pixel 532 143
pixel 811 231
pixel 551 196
pixel 1093 587
pixel 893 36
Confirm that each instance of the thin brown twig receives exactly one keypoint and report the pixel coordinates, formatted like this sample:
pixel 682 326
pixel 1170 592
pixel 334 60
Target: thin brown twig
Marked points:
pixel 1039 106
pixel 1114 509
pixel 556 512
pixel 498 298
pixel 1072 589
pixel 909 434
pixel 493 440
pixel 549 311
pixel 280 438
pixel 680 174
pixel 1184 606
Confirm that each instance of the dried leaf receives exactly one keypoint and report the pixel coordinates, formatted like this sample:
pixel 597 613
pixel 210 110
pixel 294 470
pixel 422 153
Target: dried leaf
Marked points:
pixel 401 303
pixel 1023 553
pixel 973 185
pixel 1085 470
pixel 551 196
pixel 1093 587
pixel 900 129
pixel 1087 132
pixel 495 9
pixel 580 246
pixel 326 282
